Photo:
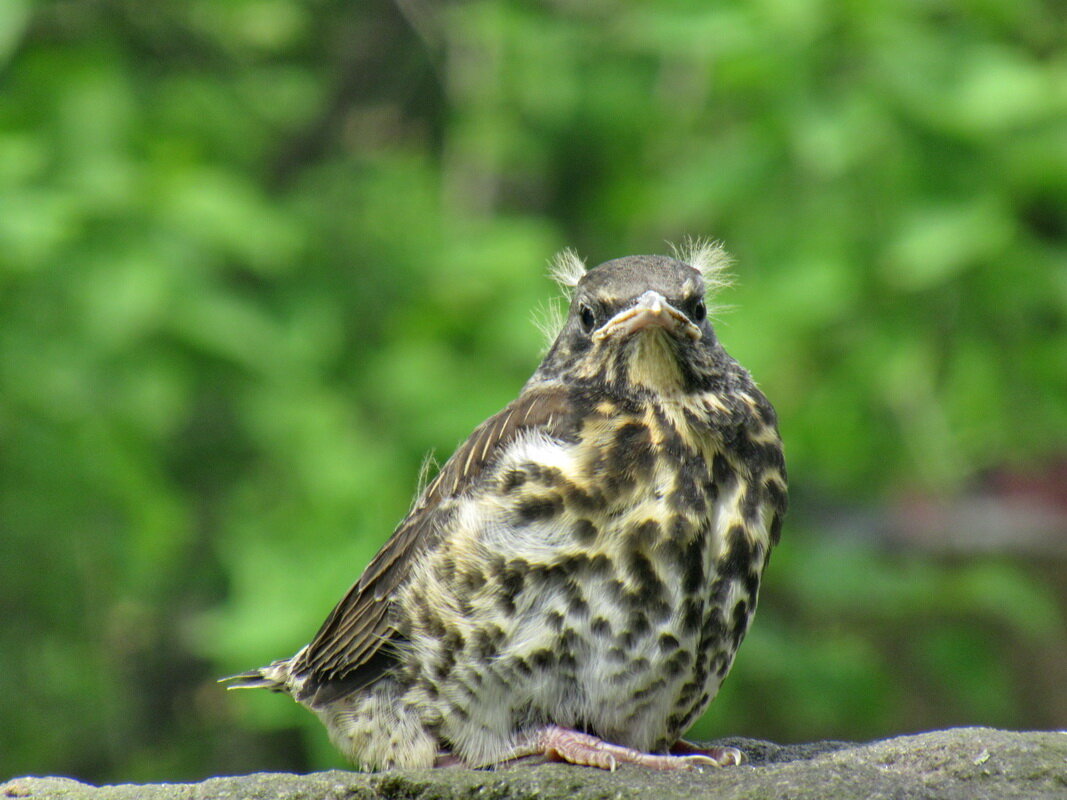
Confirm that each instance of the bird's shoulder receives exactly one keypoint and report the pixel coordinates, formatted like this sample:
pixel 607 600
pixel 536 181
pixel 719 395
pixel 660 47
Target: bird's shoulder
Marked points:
pixel 349 651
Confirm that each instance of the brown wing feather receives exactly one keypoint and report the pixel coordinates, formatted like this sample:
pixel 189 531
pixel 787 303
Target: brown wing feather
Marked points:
pixel 349 645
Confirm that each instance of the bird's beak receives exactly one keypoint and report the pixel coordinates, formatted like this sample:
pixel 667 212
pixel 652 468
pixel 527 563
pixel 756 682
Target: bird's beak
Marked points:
pixel 650 310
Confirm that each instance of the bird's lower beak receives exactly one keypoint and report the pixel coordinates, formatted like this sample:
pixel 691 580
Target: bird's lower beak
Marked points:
pixel 650 310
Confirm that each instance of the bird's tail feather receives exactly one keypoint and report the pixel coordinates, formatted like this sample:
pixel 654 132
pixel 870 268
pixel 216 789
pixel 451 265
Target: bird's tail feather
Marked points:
pixel 275 677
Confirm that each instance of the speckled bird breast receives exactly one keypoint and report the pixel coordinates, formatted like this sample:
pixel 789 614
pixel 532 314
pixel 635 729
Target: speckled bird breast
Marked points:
pixel 601 583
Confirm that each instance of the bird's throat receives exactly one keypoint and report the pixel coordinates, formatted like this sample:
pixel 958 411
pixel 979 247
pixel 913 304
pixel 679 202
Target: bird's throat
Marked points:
pixel 653 362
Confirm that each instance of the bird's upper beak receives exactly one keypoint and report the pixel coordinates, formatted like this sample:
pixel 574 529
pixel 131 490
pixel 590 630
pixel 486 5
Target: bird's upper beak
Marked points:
pixel 650 310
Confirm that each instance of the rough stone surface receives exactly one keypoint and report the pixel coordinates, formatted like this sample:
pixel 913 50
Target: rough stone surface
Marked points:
pixel 963 763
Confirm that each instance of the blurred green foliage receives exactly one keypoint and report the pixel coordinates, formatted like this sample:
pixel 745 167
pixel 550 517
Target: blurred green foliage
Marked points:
pixel 258 256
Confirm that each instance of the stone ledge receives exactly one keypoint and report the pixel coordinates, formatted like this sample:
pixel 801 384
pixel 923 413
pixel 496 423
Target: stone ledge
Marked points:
pixel 960 763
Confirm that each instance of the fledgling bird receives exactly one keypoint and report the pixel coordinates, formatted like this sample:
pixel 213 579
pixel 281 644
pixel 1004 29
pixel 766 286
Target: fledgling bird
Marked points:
pixel 576 580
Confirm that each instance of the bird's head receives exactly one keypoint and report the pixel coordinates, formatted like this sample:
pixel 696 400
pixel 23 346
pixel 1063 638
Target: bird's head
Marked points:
pixel 638 323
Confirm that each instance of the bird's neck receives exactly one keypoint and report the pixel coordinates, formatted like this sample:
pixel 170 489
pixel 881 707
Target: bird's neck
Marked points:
pixel 652 365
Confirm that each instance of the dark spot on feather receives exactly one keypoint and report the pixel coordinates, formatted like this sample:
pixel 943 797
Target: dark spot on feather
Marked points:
pixel 714 628
pixel 444 666
pixel 632 600
pixel 658 609
pixel 750 504
pixel 600 564
pixel 577 606
pixel 644 575
pixel 641 571
pixel 542 659
pixel 671 441
pixel 739 558
pixel 776 529
pixel 776 495
pixel 721 471
pixel 668 642
pixel 655 686
pixel 752 582
pixel 693 571
pixel 765 412
pixel 554 619
pixel 454 640
pixel 722 665
pixel 739 622
pixel 677 664
pixel 573 563
pixel 687 497
pixel 689 691
pixel 582 500
pixel 523 667
pixel 638 623
pixel 585 532
pixel 549 575
pixel 538 508
pixel 600 626
pixel 512 581
pixel 550 476
pixel 513 479
pixel 638 665
pixel 692 612
pixel 632 448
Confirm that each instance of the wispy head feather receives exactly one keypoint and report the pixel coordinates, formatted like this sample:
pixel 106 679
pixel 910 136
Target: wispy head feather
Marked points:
pixel 567 269
pixel 708 258
pixel 549 318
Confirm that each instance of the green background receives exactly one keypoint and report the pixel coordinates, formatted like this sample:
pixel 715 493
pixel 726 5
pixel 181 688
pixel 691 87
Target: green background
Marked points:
pixel 258 256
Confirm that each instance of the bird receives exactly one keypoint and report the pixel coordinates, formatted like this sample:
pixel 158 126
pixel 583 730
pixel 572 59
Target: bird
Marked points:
pixel 576 579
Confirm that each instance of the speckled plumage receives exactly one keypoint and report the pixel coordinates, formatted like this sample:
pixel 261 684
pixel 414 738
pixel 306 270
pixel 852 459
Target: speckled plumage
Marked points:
pixel 588 560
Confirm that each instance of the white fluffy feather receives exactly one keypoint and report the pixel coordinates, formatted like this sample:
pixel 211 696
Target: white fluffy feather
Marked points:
pixel 549 319
pixel 567 269
pixel 707 257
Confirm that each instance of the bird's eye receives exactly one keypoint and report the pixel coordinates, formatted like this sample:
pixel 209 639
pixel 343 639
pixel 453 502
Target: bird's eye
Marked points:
pixel 587 318
pixel 700 311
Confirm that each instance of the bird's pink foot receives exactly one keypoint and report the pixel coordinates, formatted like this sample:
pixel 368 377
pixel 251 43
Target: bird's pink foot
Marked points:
pixel 575 747
pixel 722 756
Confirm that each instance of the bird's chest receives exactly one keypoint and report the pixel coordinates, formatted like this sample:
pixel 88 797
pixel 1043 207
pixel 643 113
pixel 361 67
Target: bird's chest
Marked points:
pixel 601 583
pixel 607 553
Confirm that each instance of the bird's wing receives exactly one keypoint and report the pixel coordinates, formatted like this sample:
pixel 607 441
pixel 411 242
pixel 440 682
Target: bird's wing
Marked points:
pixel 349 650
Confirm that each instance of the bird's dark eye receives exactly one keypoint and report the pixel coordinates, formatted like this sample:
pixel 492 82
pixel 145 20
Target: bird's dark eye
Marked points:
pixel 587 318
pixel 700 311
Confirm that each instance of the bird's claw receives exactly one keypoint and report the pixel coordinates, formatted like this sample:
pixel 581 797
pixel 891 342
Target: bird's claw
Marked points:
pixel 563 744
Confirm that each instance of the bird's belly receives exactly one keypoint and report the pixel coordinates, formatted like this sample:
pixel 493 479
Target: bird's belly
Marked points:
pixel 620 620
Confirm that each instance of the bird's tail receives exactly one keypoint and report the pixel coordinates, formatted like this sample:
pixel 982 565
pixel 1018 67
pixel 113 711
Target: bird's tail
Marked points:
pixel 275 677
